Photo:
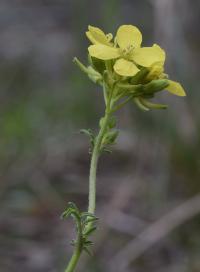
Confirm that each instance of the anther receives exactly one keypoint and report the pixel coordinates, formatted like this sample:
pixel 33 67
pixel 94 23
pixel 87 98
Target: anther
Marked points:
pixel 109 36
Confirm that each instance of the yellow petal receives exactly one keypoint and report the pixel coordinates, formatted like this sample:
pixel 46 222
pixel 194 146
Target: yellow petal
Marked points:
pixel 125 68
pixel 175 88
pixel 158 67
pixel 147 56
pixel 97 36
pixel 128 35
pixel 103 52
pixel 155 71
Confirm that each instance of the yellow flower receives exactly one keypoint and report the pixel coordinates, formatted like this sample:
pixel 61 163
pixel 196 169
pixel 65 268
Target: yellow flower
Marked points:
pixel 157 72
pixel 128 53
pixel 97 36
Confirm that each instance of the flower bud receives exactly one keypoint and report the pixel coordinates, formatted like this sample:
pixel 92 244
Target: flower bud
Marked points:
pixel 155 86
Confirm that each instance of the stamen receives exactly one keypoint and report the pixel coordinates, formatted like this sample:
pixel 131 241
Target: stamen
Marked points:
pixel 109 36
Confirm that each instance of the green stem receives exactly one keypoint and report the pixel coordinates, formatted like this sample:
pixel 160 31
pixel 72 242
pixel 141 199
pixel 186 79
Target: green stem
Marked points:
pixel 93 165
pixel 73 262
pixel 92 183
pixel 122 104
pixel 77 251
pixel 96 153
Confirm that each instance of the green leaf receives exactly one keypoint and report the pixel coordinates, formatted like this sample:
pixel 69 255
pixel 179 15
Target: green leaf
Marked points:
pixel 83 228
pixel 88 243
pixel 87 132
pixel 87 250
pixel 107 150
pixel 87 214
pixel 90 231
pixel 90 134
pixel 73 206
pixel 71 210
pixel 92 219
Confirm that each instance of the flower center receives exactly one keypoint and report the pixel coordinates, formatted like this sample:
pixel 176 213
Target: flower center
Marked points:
pixel 109 37
pixel 127 52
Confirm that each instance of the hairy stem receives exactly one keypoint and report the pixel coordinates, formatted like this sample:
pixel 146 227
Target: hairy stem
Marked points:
pixel 77 251
pixel 92 184
pixel 96 152
pixel 93 165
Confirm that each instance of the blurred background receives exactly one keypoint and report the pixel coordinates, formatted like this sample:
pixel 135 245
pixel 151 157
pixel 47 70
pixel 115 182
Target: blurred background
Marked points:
pixel 148 189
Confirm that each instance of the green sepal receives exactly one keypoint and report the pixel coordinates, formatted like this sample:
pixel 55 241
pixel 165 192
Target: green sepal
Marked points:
pixel 97 64
pixel 138 78
pixel 94 75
